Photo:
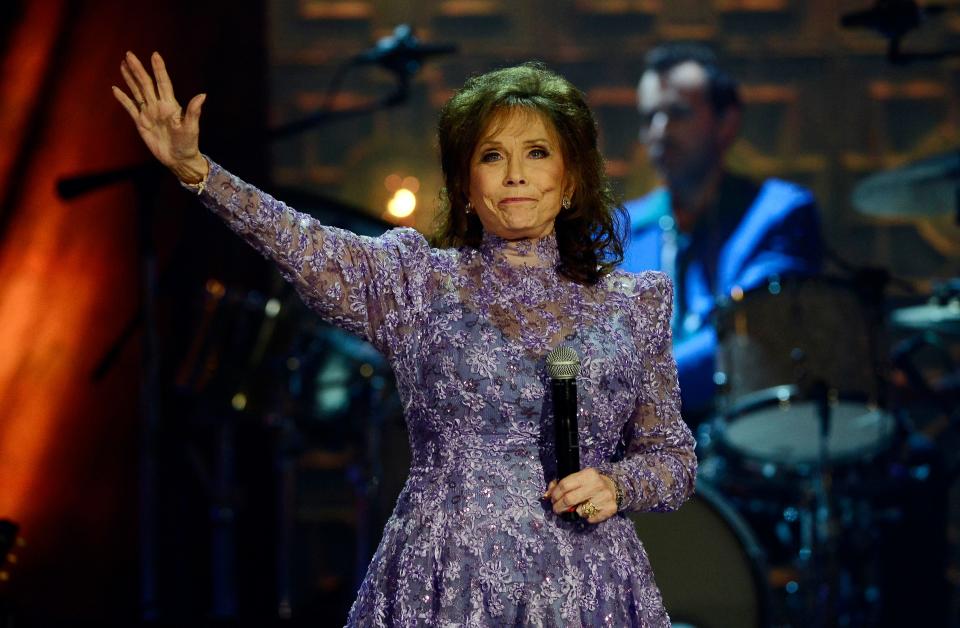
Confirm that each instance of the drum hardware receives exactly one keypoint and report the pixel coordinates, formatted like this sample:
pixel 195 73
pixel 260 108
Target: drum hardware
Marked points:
pixel 801 406
pixel 780 343
pixel 264 359
pixel 941 312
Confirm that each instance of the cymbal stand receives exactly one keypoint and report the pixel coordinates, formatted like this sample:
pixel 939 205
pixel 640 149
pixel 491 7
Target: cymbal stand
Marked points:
pixel 816 516
pixel 823 551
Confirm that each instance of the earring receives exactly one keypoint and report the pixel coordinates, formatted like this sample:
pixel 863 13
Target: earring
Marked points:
pixel 565 203
pixel 467 208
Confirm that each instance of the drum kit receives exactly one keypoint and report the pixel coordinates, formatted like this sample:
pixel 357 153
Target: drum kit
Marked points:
pixel 822 494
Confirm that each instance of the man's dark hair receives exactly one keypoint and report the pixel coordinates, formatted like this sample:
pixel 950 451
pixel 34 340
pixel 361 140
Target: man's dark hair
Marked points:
pixel 723 88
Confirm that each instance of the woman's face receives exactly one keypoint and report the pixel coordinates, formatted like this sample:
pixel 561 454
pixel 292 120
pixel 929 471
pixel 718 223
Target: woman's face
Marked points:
pixel 517 176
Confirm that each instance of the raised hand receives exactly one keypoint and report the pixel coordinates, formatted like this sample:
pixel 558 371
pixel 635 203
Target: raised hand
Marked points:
pixel 171 133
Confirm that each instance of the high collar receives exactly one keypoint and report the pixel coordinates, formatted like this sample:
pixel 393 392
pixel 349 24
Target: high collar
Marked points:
pixel 537 252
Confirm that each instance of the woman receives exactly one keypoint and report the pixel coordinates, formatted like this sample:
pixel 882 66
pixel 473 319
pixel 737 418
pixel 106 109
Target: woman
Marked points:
pixel 526 261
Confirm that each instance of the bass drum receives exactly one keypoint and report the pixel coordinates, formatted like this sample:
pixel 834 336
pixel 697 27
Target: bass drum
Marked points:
pixel 709 567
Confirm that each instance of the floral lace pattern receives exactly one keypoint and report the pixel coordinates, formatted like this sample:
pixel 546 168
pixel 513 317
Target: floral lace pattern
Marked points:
pixel 470 542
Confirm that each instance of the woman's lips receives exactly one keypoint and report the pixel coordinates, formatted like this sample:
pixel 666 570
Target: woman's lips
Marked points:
pixel 515 199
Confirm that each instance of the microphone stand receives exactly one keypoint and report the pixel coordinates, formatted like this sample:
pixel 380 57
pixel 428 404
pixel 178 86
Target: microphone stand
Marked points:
pixel 143 178
pixel 322 117
pixel 894 19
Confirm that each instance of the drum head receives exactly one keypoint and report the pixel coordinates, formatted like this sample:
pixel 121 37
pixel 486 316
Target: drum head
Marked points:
pixel 707 564
pixel 783 429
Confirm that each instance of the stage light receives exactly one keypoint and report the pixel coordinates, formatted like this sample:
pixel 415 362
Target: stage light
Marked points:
pixel 239 402
pixel 402 204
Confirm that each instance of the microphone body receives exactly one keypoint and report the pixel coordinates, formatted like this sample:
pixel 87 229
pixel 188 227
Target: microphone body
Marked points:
pixel 563 365
pixel 565 426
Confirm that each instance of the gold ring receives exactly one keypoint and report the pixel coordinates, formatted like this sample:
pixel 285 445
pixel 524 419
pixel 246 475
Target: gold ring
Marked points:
pixel 141 104
pixel 587 509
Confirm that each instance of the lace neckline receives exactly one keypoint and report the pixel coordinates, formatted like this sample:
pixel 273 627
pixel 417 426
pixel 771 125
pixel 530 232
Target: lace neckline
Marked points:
pixel 534 252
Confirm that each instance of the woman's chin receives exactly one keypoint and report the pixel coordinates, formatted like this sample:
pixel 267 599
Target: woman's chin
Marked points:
pixel 521 231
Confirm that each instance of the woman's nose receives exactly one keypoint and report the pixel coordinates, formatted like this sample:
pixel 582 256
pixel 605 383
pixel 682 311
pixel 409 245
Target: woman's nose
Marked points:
pixel 515 174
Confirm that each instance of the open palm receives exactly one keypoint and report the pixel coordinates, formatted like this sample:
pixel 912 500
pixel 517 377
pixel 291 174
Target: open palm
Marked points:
pixel 171 134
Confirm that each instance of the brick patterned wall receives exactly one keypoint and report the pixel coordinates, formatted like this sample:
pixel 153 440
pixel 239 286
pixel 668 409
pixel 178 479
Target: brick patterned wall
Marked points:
pixel 824 106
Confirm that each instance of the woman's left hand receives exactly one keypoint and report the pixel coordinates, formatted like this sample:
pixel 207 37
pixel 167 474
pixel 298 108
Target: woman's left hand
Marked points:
pixel 583 487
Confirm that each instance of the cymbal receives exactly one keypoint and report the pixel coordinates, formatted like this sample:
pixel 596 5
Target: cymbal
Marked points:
pixel 922 188
pixel 932 316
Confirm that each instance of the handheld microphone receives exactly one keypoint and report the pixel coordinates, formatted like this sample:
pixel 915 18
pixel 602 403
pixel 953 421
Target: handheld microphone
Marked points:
pixel 563 366
pixel 402 52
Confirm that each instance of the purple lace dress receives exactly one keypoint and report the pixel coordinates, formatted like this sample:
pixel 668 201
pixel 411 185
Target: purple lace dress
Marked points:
pixel 471 542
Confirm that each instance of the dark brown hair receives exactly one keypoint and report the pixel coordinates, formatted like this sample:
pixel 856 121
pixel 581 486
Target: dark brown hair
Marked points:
pixel 590 233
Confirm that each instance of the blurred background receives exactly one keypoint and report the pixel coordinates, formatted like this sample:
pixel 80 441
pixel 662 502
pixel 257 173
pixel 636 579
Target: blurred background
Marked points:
pixel 181 442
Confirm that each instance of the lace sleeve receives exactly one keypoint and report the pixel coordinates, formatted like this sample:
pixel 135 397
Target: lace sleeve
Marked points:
pixel 659 466
pixel 374 287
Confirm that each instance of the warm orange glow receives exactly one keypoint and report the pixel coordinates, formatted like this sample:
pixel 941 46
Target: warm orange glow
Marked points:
pixel 392 182
pixel 22 69
pixel 28 253
pixel 66 268
pixel 411 183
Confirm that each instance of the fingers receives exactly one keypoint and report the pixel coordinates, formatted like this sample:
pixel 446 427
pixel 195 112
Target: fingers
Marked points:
pixel 571 499
pixel 164 86
pixel 192 115
pixel 602 512
pixel 131 83
pixel 550 487
pixel 125 101
pixel 142 79
pixel 573 491
pixel 560 494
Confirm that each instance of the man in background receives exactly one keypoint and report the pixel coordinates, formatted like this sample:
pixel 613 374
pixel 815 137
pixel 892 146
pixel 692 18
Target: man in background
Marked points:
pixel 713 232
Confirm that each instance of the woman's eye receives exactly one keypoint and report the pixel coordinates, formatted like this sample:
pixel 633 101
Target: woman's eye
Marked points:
pixel 539 153
pixel 491 156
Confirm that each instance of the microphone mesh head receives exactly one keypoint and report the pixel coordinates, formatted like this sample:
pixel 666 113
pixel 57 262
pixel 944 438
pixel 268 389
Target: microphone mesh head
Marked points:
pixel 563 363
